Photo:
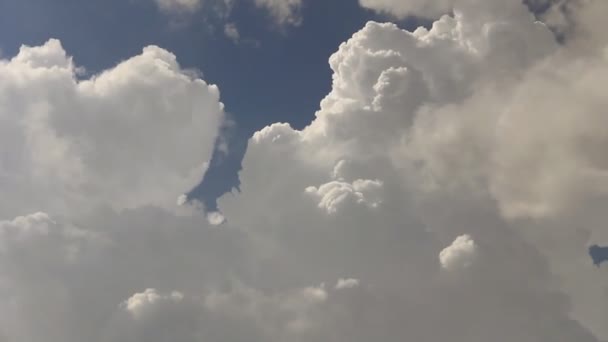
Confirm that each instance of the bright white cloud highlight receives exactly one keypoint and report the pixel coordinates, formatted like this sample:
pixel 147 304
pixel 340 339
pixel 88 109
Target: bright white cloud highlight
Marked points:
pixel 449 119
pixel 460 254
pixel 334 194
pixel 139 133
pixel 215 218
pixel 141 302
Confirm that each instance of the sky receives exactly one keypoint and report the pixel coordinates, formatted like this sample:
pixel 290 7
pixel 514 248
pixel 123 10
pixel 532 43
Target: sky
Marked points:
pixel 274 73
pixel 400 170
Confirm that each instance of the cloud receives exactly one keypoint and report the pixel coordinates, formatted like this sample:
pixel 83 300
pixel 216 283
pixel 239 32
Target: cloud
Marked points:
pixel 449 120
pixel 215 218
pixel 90 169
pixel 460 254
pixel 435 9
pixel 333 194
pixel 141 303
pixel 179 6
pixel 139 133
pixel 481 124
pixel 74 281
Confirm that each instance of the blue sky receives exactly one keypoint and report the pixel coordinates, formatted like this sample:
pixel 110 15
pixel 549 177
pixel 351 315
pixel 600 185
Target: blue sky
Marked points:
pixel 280 78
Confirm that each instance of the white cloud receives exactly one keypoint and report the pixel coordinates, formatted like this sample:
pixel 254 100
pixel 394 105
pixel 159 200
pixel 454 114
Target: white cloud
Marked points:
pixel 182 200
pixel 426 113
pixel 74 151
pixel 460 254
pixel 140 303
pixel 139 133
pixel 215 218
pixel 434 9
pixel 334 194
pixel 409 7
pixel 480 124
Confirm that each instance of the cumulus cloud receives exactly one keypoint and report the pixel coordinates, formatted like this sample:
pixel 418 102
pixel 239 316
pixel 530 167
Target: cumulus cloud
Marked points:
pixel 140 303
pixel 285 12
pixel 105 140
pixel 238 314
pixel 90 169
pixel 482 124
pixel 349 283
pixel 332 195
pixel 215 218
pixel 461 126
pixel 459 255
pixel 434 9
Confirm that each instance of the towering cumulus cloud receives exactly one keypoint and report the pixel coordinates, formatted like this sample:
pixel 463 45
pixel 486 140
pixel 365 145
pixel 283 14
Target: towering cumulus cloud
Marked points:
pixel 482 134
pixel 448 189
pixel 140 133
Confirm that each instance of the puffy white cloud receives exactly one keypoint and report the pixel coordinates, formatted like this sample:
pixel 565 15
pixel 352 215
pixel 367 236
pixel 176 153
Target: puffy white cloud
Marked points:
pixel 139 133
pixel 332 195
pixel 460 254
pixel 182 200
pixel 215 218
pixel 140 303
pixel 130 140
pixel 349 283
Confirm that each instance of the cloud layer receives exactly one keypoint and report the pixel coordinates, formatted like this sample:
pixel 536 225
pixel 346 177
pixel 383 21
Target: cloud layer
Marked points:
pixel 448 189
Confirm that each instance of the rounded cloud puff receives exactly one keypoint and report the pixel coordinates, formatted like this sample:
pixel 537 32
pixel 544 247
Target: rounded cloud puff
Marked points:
pixel 459 255
pixel 139 133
